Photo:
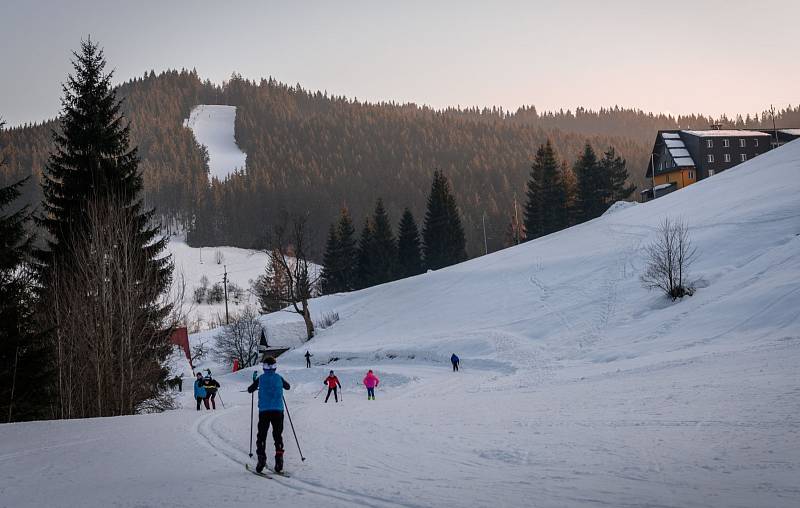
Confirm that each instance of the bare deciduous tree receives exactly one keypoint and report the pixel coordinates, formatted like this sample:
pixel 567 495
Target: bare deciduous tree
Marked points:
pixel 289 258
pixel 668 259
pixel 111 321
pixel 239 340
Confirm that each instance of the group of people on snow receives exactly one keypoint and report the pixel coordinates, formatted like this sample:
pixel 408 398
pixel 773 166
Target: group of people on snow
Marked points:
pixel 270 386
pixel 205 390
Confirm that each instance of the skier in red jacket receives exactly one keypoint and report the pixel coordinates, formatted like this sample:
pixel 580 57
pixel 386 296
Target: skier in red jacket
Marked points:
pixel 332 381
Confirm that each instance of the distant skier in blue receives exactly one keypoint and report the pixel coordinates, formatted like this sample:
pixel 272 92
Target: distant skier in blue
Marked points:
pixel 454 360
pixel 270 386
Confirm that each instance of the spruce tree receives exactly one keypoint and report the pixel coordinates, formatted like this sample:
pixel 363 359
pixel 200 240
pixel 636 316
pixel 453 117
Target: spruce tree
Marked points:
pixel 409 258
pixel 364 276
pixel 616 176
pixel 348 251
pixel 330 281
pixel 94 168
pixel 590 188
pixel 442 234
pixel 23 357
pixel 546 209
pixel 384 246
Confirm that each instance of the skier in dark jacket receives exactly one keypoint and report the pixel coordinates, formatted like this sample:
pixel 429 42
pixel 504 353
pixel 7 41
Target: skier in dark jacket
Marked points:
pixel 211 385
pixel 308 359
pixel 332 382
pixel 270 386
pixel 200 391
pixel 455 361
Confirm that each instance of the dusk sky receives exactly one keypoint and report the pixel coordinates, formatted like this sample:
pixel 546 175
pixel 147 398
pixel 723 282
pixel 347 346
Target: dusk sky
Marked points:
pixel 677 57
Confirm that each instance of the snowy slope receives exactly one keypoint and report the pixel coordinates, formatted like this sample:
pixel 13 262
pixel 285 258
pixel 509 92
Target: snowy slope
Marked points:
pixel 213 126
pixel 193 263
pixel 578 387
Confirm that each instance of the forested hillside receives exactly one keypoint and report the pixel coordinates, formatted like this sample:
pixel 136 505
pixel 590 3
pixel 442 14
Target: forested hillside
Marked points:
pixel 316 153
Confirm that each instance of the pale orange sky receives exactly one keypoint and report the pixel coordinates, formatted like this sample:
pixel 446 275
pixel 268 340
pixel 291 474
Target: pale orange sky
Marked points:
pixel 667 56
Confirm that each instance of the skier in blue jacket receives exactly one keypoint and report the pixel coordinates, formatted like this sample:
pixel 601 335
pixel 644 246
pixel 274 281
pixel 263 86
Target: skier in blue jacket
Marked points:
pixel 270 386
pixel 200 391
pixel 455 361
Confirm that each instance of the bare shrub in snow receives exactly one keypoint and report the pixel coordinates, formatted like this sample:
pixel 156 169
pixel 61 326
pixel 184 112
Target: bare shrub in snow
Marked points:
pixel 327 319
pixel 668 260
pixel 239 340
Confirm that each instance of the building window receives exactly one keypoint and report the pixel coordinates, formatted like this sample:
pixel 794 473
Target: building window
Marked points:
pixel 709 143
pixel 742 143
pixel 691 175
pixel 755 142
pixel 726 143
pixel 727 157
pixel 710 172
pixel 710 157
pixel 743 156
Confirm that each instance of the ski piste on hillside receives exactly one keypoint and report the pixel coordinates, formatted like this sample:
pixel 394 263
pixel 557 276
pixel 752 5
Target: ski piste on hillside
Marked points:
pixel 577 386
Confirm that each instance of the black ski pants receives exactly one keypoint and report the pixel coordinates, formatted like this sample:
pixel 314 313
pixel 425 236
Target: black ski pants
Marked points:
pixel 265 419
pixel 335 397
pixel 455 366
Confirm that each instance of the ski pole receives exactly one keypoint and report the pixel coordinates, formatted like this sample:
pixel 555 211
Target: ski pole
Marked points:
pixel 320 391
pixel 293 432
pixel 219 394
pixel 252 397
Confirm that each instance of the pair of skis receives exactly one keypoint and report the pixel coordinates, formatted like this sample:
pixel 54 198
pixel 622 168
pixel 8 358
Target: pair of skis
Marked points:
pixel 265 475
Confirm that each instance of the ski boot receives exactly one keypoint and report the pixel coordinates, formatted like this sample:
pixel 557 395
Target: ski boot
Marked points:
pixel 261 464
pixel 278 459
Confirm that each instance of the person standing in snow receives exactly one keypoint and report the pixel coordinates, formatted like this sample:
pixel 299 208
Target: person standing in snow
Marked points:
pixel 200 391
pixel 270 386
pixel 308 359
pixel 332 381
pixel 454 360
pixel 371 381
pixel 211 385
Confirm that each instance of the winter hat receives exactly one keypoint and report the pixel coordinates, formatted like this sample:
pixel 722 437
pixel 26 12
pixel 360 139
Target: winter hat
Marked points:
pixel 269 363
pixel 331 373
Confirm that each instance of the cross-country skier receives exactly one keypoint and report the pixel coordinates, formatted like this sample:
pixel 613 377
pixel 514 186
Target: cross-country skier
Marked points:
pixel 211 385
pixel 308 359
pixel 200 391
pixel 371 381
pixel 270 386
pixel 332 381
pixel 454 360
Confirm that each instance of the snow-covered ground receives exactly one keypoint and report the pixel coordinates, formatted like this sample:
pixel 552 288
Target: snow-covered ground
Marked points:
pixel 194 263
pixel 213 126
pixel 578 387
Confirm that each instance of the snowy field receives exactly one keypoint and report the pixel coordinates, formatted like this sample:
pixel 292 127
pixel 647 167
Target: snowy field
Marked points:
pixel 194 263
pixel 578 387
pixel 214 127
pixel 244 266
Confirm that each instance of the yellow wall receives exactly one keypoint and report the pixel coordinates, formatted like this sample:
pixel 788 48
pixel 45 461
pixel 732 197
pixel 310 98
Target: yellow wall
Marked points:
pixel 683 176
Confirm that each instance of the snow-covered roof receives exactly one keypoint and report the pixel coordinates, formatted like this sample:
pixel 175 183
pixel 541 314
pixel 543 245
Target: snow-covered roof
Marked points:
pixel 664 186
pixel 679 152
pixel 791 132
pixel 684 161
pixel 670 135
pixel 725 133
pixel 674 143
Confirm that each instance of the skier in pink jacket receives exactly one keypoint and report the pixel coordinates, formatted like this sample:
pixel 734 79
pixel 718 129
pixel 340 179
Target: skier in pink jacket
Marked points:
pixel 371 381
